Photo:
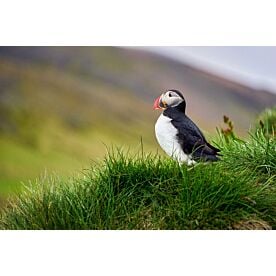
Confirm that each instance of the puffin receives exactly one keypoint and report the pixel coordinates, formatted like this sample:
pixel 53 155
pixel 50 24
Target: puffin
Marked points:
pixel 177 134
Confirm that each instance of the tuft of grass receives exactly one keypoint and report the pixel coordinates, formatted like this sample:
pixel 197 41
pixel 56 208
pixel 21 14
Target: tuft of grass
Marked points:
pixel 152 192
pixel 267 120
pixel 256 155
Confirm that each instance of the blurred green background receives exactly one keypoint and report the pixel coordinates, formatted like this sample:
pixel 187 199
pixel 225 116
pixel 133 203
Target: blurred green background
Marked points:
pixel 60 107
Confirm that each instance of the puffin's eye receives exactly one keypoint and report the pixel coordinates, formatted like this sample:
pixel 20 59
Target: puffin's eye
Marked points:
pixel 170 95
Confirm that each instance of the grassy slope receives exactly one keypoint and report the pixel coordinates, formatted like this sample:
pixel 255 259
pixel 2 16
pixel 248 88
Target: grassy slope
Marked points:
pixel 19 163
pixel 149 192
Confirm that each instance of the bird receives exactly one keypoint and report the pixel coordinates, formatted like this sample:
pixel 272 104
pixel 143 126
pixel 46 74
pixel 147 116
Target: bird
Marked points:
pixel 178 135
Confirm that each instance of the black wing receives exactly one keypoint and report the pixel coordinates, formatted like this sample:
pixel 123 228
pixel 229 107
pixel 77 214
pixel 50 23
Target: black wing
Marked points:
pixel 192 140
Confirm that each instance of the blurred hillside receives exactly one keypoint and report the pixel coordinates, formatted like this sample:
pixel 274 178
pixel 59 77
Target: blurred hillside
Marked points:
pixel 61 106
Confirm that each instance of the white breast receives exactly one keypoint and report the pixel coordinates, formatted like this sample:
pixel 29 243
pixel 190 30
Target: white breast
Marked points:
pixel 166 136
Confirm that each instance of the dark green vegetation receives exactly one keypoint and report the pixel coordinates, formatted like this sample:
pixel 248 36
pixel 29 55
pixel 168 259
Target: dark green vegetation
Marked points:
pixel 151 192
pixel 60 106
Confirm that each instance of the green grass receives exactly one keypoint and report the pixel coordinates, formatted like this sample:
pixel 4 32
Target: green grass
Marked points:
pixel 60 150
pixel 152 192
pixel 267 120
pixel 20 163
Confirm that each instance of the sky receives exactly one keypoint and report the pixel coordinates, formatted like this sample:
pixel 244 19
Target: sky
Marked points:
pixel 252 66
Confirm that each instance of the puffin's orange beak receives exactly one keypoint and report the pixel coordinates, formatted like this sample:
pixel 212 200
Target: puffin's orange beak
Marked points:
pixel 156 103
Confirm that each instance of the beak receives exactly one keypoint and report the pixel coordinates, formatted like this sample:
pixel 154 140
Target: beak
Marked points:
pixel 156 103
pixel 159 103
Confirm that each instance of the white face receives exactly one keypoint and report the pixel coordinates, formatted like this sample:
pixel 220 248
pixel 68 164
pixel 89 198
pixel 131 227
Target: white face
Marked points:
pixel 171 98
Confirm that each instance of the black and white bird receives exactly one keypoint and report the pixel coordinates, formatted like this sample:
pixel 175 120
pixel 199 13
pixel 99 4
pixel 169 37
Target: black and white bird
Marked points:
pixel 177 134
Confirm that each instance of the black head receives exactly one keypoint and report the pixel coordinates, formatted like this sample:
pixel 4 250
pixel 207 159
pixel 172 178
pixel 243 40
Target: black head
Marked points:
pixel 171 98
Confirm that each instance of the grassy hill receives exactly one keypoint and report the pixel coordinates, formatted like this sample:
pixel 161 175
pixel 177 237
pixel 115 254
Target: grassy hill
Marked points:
pixel 61 106
pixel 149 192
